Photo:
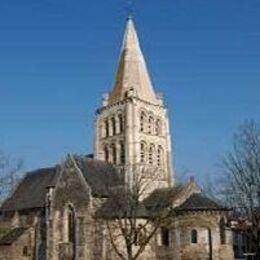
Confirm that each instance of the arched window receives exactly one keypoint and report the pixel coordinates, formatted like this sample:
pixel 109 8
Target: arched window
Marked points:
pixel 165 236
pixel 25 251
pixel 210 244
pixel 222 231
pixel 106 153
pixel 142 121
pixel 158 127
pixel 121 123
pixel 71 225
pixel 160 156
pixel 150 125
pixel 151 154
pixel 113 122
pixel 194 236
pixel 122 152
pixel 114 153
pixel 142 152
pixel 106 128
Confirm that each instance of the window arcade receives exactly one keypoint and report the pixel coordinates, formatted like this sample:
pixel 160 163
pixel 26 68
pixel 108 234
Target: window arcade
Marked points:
pixel 106 153
pixel 122 152
pixel 113 122
pixel 151 154
pixel 160 156
pixel 106 128
pixel 142 121
pixel 158 127
pixel 121 123
pixel 114 153
pixel 150 125
pixel 143 151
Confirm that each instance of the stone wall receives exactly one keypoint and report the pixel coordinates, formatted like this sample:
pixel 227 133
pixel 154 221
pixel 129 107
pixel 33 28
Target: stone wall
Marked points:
pixel 70 194
pixel 208 244
pixel 22 249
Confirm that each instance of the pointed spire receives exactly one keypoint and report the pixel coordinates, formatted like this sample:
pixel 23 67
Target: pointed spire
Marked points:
pixel 132 74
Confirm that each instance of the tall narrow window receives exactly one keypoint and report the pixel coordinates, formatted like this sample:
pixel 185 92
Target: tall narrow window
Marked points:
pixel 142 121
pixel 121 123
pixel 25 251
pixel 160 157
pixel 150 125
pixel 210 244
pixel 194 236
pixel 151 154
pixel 106 128
pixel 122 153
pixel 113 122
pixel 158 127
pixel 222 231
pixel 114 153
pixel 71 225
pixel 106 153
pixel 165 236
pixel 142 152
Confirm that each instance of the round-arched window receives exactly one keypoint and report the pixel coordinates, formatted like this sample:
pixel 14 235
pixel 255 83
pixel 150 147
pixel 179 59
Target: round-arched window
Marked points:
pixel 194 236
pixel 150 125
pixel 160 157
pixel 142 121
pixel 151 154
pixel 106 154
pixel 158 127
pixel 114 153
pixel 143 152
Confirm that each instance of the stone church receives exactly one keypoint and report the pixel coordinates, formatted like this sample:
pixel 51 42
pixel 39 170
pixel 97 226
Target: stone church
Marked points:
pixel 52 214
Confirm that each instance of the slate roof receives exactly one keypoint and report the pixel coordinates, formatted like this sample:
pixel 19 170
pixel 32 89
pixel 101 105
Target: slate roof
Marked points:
pixel 157 200
pixel 12 236
pixel 132 62
pixel 199 202
pixel 100 175
pixel 161 198
pixel 116 208
pixel 102 178
pixel 31 191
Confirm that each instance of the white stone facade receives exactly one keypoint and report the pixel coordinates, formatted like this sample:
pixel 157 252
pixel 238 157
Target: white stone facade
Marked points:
pixel 132 126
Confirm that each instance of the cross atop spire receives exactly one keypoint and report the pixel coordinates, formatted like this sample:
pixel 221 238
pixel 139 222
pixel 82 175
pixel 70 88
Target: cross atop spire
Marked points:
pixel 130 8
pixel 132 74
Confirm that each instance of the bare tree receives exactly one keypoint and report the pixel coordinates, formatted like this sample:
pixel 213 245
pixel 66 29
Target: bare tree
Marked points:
pixel 129 221
pixel 9 175
pixel 242 176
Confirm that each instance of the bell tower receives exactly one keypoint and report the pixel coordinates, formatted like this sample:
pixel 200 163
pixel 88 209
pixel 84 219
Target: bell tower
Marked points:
pixel 132 126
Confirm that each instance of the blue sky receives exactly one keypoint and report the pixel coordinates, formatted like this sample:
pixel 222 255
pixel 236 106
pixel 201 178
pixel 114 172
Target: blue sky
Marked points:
pixel 57 58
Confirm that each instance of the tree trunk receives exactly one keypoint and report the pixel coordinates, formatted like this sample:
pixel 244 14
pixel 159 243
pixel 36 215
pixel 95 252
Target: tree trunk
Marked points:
pixel 130 252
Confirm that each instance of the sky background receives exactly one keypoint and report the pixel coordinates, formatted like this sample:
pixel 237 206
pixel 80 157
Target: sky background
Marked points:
pixel 57 58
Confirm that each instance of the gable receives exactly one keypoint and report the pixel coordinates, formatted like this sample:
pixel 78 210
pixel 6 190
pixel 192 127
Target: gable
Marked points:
pixel 100 175
pixel 71 187
pixel 32 190
pixel 200 202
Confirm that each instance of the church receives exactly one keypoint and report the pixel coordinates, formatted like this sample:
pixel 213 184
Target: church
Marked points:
pixel 66 211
